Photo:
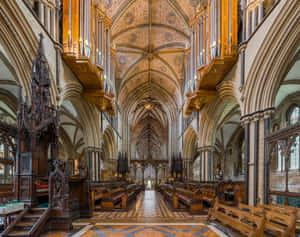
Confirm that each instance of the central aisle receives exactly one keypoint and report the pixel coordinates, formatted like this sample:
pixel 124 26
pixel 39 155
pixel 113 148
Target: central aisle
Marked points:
pixel 149 207
pixel 149 216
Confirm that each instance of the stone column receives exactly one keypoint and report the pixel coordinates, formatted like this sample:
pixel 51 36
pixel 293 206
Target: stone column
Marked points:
pixel 246 126
pixel 256 126
pixel 206 163
pixel 93 163
pixel 156 175
pixel 143 169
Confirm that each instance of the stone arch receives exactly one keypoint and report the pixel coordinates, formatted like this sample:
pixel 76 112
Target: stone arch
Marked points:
pixel 88 114
pixel 20 43
pixel 207 126
pixel 109 144
pixel 270 64
pixel 189 150
pixel 71 132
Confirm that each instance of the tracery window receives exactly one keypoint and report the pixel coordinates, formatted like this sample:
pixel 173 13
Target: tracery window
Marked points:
pixel 293 114
pixel 292 118
pixel 294 155
pixel 281 160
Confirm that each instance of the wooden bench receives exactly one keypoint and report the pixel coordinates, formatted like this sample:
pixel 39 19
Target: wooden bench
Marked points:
pixel 209 196
pixel 132 191
pixel 96 196
pixel 111 199
pixel 246 223
pixel 234 192
pixel 279 221
pixel 167 192
pixel 291 208
pixel 191 200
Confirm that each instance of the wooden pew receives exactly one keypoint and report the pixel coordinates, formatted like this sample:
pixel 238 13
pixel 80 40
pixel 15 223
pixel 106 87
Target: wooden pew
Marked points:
pixel 280 221
pixel 132 190
pixel 167 192
pixel 244 222
pixel 234 192
pixel 96 195
pixel 192 200
pixel 111 199
pixel 209 195
pixel 291 208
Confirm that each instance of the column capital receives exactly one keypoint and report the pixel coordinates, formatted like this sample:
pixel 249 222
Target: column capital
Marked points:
pixel 93 149
pixel 206 148
pixel 257 115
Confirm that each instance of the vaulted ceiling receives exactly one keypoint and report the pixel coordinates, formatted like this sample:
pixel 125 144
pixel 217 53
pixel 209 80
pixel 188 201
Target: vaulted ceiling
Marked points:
pixel 150 38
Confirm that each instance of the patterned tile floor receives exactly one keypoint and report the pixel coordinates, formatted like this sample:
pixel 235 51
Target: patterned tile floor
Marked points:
pixel 149 204
pixel 149 217
pixel 150 231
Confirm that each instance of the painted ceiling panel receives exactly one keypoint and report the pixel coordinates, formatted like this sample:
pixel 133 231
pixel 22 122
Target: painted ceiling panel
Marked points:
pixel 113 6
pixel 176 60
pixel 134 38
pixel 140 67
pixel 136 14
pixel 189 7
pixel 165 68
pixel 163 13
pixel 162 38
pixel 125 62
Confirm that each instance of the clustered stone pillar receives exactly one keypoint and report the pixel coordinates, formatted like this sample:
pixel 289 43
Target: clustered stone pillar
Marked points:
pixel 256 127
pixel 206 163
pixel 94 163
pixel 188 168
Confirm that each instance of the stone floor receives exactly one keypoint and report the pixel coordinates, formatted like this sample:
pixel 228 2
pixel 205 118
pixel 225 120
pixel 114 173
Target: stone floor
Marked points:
pixel 149 216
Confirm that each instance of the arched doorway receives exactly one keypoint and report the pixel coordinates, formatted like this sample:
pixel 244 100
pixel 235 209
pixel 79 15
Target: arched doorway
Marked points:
pixel 149 177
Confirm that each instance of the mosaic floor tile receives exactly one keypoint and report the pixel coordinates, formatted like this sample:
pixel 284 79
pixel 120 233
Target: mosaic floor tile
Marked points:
pixel 150 231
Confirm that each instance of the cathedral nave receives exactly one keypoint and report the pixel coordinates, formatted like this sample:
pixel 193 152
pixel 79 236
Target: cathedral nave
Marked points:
pixel 149 118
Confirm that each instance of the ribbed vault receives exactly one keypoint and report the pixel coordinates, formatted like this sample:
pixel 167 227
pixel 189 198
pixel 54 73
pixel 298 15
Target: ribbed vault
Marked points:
pixel 150 38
